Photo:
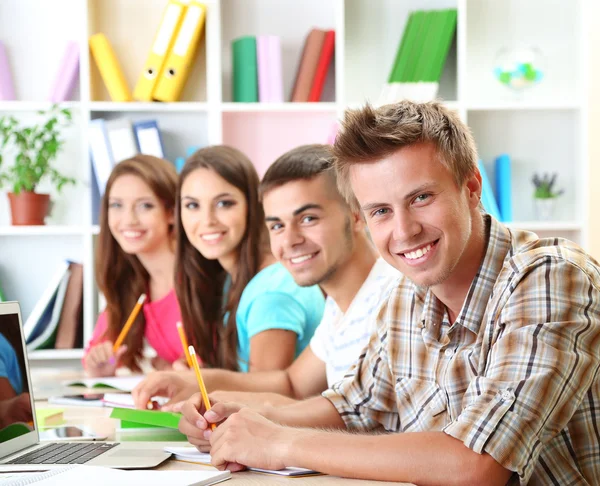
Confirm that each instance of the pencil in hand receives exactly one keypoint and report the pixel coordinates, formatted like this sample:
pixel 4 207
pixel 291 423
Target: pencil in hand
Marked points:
pixel 184 343
pixel 203 392
pixel 129 323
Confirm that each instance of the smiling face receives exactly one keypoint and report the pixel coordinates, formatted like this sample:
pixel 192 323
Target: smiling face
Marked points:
pixel 213 214
pixel 311 232
pixel 422 222
pixel 137 219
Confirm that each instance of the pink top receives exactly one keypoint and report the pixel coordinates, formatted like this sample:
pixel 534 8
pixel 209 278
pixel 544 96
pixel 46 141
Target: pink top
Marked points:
pixel 161 328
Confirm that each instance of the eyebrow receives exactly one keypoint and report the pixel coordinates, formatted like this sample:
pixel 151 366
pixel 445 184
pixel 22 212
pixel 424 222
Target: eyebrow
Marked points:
pixel 144 198
pixel 296 212
pixel 408 197
pixel 218 196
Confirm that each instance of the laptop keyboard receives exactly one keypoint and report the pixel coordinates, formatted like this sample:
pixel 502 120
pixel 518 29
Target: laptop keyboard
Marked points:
pixel 64 453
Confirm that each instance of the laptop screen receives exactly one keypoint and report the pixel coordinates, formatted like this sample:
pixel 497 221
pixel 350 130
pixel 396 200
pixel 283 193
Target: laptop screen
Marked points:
pixel 16 416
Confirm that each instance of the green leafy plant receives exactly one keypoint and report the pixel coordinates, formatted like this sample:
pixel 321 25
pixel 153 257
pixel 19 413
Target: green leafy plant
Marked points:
pixel 544 186
pixel 34 149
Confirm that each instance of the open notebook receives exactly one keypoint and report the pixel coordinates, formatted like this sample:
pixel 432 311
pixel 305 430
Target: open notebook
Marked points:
pixel 123 383
pixel 191 454
pixel 101 476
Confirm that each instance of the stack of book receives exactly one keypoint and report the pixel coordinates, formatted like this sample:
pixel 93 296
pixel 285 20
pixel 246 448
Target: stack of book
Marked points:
pixel 421 56
pixel 257 68
pixel 170 59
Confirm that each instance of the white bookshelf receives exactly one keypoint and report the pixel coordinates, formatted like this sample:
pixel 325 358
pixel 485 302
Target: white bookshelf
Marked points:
pixel 545 130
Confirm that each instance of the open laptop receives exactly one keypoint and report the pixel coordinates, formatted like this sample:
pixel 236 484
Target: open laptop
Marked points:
pixel 20 447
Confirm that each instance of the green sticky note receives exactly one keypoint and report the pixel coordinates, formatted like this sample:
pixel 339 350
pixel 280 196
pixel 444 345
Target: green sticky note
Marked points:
pixel 147 417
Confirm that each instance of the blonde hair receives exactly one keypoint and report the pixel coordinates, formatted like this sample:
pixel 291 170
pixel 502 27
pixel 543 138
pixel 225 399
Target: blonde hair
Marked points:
pixel 369 134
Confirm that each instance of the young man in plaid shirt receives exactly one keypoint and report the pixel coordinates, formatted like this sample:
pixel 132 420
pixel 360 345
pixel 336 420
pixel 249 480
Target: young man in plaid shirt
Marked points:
pixel 483 368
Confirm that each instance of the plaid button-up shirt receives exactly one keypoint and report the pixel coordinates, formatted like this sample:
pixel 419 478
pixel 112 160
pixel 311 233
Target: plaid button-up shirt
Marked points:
pixel 515 376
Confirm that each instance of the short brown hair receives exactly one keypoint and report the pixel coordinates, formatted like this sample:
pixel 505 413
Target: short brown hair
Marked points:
pixel 369 134
pixel 302 163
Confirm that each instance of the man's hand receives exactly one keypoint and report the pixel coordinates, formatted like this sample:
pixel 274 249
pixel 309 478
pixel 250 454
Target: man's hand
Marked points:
pixel 177 386
pixel 101 361
pixel 247 439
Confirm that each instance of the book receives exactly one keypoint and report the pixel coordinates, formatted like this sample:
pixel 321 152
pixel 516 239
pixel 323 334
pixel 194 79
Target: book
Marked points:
pixel 7 89
pixel 101 476
pixel 163 41
pixel 31 328
pixel 488 200
pixel 149 139
pixel 122 383
pixel 46 339
pixel 67 74
pixel 180 57
pixel 325 60
pixel 69 334
pixel 156 418
pixel 191 454
pixel 262 61
pixel 123 144
pixel 47 417
pixel 275 68
pixel 109 67
pixel 504 187
pixel 100 152
pixel 307 66
pixel 244 76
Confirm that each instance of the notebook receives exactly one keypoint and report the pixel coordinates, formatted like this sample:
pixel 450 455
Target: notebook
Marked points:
pixel 20 446
pixel 123 383
pixel 191 454
pixel 100 476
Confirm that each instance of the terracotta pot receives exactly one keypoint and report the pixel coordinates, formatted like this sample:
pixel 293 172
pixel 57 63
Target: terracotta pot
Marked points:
pixel 28 208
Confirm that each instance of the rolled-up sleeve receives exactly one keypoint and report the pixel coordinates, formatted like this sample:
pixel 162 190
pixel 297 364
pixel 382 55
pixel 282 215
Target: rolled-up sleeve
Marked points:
pixel 540 359
pixel 365 398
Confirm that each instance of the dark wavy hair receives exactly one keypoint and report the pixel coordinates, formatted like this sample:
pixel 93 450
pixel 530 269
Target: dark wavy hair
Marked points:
pixel 199 281
pixel 120 276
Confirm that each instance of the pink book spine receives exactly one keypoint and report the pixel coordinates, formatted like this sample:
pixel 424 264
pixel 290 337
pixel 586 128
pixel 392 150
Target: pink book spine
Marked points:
pixel 7 90
pixel 275 76
pixel 262 59
pixel 67 74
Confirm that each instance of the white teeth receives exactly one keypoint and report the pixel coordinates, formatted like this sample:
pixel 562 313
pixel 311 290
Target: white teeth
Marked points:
pixel 418 253
pixel 301 259
pixel 132 234
pixel 211 237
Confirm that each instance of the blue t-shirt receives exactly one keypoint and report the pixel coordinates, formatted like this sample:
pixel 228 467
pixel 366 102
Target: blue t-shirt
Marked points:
pixel 272 300
pixel 9 365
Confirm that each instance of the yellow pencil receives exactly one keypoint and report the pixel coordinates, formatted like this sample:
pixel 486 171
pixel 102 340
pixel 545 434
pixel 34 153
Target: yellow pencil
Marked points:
pixel 184 343
pixel 129 323
pixel 205 399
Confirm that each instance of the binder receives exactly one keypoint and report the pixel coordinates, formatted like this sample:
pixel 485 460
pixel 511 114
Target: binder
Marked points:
pixel 179 59
pixel 275 75
pixel 488 200
pixel 245 76
pixel 70 325
pixel 163 42
pixel 109 67
pixel 67 74
pixel 100 152
pixel 308 64
pixel 323 66
pixel 262 62
pixel 123 143
pixel 7 89
pixel 148 138
pixel 504 187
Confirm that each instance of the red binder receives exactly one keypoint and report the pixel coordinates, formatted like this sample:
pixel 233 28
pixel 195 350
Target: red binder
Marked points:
pixel 323 66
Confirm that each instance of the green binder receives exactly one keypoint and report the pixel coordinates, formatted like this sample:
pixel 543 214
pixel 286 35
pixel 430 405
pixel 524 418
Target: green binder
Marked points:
pixel 401 48
pixel 403 60
pixel 145 418
pixel 445 41
pixel 245 73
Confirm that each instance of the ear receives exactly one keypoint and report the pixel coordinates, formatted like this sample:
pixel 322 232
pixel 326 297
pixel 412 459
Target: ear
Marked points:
pixel 473 186
pixel 358 221
pixel 171 217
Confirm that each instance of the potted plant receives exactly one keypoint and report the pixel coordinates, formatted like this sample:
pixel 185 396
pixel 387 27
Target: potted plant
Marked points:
pixel 33 148
pixel 545 195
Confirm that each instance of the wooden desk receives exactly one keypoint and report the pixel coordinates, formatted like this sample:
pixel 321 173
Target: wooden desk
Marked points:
pixel 98 419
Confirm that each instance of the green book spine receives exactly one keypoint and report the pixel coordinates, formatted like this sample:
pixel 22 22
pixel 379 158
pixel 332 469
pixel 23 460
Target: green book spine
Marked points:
pixel 147 417
pixel 245 77
pixel 444 44
pixel 432 43
pixel 400 70
pixel 417 50
pixel 401 47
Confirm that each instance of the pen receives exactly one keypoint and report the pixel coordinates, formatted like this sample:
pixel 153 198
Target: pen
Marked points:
pixel 184 343
pixel 129 323
pixel 205 399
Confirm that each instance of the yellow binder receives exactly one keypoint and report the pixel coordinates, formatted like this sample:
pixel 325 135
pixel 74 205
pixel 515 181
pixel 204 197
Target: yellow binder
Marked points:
pixel 163 41
pixel 109 67
pixel 179 60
